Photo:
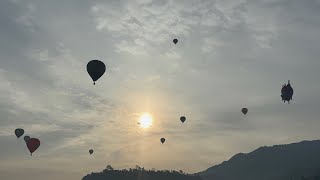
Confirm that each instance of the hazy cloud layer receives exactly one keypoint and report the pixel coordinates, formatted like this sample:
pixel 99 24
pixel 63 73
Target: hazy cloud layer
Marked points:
pixel 230 54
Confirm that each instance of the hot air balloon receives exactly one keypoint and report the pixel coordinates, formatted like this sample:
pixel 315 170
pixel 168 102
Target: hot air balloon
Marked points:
pixel 286 92
pixel 175 41
pixel 182 119
pixel 162 140
pixel 19 132
pixel 90 151
pixel 96 69
pixel 33 144
pixel 244 111
pixel 26 138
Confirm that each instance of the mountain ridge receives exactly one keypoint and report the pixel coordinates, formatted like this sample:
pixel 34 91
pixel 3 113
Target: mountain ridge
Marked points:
pixel 269 162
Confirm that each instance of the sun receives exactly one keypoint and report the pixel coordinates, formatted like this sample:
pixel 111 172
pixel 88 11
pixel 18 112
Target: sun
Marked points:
pixel 145 120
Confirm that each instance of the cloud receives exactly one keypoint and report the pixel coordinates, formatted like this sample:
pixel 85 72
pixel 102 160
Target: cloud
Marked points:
pixel 144 24
pixel 27 18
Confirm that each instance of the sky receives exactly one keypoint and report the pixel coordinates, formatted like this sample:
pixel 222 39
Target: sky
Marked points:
pixel 230 55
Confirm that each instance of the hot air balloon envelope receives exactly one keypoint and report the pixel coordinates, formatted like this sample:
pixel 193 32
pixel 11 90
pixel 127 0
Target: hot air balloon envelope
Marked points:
pixel 162 140
pixel 244 110
pixel 96 69
pixel 182 118
pixel 26 138
pixel 286 92
pixel 33 144
pixel 90 151
pixel 175 41
pixel 19 132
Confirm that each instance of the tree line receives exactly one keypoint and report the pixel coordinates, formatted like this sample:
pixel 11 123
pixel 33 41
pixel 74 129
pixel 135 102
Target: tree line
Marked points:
pixel 139 173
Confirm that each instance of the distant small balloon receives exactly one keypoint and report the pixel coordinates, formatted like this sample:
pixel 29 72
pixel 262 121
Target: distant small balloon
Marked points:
pixel 90 151
pixel 175 41
pixel 26 138
pixel 162 140
pixel 33 144
pixel 19 132
pixel 96 69
pixel 244 111
pixel 182 119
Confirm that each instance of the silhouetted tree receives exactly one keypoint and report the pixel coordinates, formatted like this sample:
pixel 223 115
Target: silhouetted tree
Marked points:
pixel 109 168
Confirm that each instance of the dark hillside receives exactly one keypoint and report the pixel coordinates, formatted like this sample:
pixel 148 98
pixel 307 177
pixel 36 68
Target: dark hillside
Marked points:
pixel 279 162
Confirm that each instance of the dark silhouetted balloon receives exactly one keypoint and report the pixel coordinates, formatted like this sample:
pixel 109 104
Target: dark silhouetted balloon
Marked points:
pixel 90 151
pixel 26 138
pixel 162 140
pixel 96 69
pixel 286 92
pixel 33 144
pixel 244 110
pixel 182 119
pixel 175 41
pixel 19 132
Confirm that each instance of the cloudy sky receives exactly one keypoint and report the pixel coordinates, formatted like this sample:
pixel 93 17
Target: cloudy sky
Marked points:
pixel 231 54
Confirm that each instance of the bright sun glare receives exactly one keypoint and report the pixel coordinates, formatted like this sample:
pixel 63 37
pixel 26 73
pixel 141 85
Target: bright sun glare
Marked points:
pixel 145 120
